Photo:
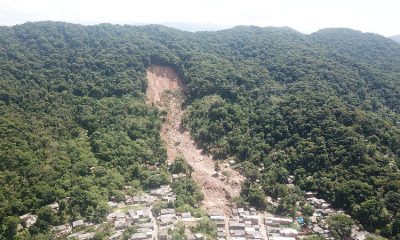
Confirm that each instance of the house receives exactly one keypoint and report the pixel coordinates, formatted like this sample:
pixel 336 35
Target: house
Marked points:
pixel 166 220
pixel 54 206
pixel 221 234
pixel 176 176
pixel 275 221
pixel 199 236
pixel 28 219
pixel 159 192
pixel 236 226
pixel 217 217
pixel 146 225
pixel 163 235
pixel 186 215
pixel 120 224
pixel 325 205
pixel 138 236
pixel 147 231
pixel 289 232
pixel 120 215
pixel 86 236
pixel 138 200
pixel 78 223
pixel 128 200
pixel 281 238
pixel 169 198
pixel 318 229
pixel 316 201
pixel 309 194
pixel 238 233
pixel 62 230
pixel 116 235
pixel 112 204
pixel 253 219
pixel 167 211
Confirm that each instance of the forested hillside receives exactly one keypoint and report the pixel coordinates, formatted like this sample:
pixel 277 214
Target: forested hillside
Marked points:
pixel 74 124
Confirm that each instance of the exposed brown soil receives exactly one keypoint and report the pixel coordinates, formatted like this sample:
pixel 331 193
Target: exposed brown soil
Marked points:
pixel 165 90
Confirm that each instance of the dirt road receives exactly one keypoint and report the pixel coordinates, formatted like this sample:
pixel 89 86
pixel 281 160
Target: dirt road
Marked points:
pixel 166 90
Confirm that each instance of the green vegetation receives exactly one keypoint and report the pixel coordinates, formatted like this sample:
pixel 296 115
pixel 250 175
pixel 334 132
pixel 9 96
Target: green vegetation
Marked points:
pixel 74 126
pixel 207 227
pixel 340 226
pixel 181 166
pixel 187 192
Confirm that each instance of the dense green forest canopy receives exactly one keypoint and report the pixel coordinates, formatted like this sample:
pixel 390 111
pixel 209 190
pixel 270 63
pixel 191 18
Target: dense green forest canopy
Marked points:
pixel 323 107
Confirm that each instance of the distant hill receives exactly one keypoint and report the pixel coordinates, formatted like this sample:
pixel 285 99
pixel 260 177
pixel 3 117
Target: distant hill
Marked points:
pixel 396 38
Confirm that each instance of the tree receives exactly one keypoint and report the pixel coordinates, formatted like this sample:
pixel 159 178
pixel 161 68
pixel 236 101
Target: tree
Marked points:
pixel 372 213
pixel 181 166
pixel 206 226
pixel 217 168
pixel 10 227
pixel 340 226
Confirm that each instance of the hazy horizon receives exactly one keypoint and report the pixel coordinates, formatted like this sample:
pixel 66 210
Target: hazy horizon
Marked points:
pixel 306 16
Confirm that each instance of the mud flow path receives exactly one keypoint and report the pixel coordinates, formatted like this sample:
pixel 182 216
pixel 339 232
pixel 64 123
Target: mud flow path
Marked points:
pixel 165 90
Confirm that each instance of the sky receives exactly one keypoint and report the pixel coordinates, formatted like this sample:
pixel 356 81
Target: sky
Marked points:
pixel 307 16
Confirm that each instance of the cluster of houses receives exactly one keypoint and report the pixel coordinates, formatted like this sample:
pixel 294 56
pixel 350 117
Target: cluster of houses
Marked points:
pixel 141 218
pixel 78 229
pixel 134 211
pixel 243 224
pixel 322 211
pixel 147 226
pixel 280 228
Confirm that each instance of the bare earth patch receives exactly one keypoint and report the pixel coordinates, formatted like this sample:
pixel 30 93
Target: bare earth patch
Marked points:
pixel 165 90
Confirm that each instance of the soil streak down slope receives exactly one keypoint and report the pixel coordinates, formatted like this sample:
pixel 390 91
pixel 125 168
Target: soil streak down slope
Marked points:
pixel 165 90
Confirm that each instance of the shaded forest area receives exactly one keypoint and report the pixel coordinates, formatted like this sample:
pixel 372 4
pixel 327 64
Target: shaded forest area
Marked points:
pixel 74 124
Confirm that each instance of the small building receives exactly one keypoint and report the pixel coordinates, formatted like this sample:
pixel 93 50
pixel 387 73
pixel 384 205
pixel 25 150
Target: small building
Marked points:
pixel 54 206
pixel 309 194
pixel 146 225
pixel 325 205
pixel 78 223
pixel 86 236
pixel 289 232
pixel 120 215
pixel 237 233
pixel 116 235
pixel 120 224
pixel 112 204
pixel 281 238
pixel 199 236
pixel 166 220
pixel 236 226
pixel 276 221
pixel 217 218
pixel 253 219
pixel 28 219
pixel 163 235
pixel 62 230
pixel 167 211
pixel 318 229
pixel 186 215
pixel 138 236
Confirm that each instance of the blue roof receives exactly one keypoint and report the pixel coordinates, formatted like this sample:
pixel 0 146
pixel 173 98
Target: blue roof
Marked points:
pixel 300 220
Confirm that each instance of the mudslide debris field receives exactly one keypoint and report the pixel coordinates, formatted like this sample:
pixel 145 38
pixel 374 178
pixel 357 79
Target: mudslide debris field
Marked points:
pixel 166 91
